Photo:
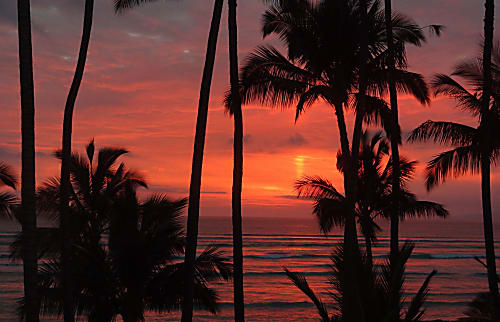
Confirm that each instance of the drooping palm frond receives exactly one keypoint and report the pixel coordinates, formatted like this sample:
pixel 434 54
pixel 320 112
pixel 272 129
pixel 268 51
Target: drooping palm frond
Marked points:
pixel 7 176
pixel 300 281
pixel 123 5
pixel 316 188
pixel 413 208
pixel 454 163
pixel 467 101
pixel 270 78
pixel 8 202
pixel 450 133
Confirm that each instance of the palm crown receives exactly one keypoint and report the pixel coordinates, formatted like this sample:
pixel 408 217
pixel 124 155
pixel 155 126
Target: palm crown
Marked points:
pixel 468 142
pixel 322 61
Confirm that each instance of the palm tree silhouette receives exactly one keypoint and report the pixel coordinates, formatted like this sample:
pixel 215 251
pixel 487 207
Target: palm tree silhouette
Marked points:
pixel 474 148
pixel 7 199
pixel 396 136
pixel 322 63
pixel 489 17
pixel 28 211
pixel 376 287
pixel 125 252
pixel 236 112
pixel 199 146
pixel 65 223
pixel 374 191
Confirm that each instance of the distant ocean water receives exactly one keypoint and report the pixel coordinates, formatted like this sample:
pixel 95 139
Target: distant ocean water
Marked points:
pixel 274 243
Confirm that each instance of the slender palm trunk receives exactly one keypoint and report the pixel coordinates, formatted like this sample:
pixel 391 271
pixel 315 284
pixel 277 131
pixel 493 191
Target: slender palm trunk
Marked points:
pixel 28 219
pixel 65 224
pixel 395 140
pixel 350 234
pixel 239 302
pixel 395 135
pixel 489 18
pixel 363 83
pixel 352 311
pixel 489 242
pixel 199 146
pixel 369 252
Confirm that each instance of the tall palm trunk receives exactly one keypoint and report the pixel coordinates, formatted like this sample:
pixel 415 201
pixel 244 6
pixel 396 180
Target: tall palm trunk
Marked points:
pixel 239 302
pixel 362 83
pixel 28 219
pixel 396 184
pixel 352 311
pixel 65 224
pixel 395 135
pixel 488 234
pixel 199 145
pixel 485 161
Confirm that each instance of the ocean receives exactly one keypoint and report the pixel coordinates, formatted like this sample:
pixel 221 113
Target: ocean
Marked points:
pixel 270 244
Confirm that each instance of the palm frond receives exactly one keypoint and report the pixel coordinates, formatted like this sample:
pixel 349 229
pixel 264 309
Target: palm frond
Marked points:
pixel 123 5
pixel 415 311
pixel 450 133
pixel 445 85
pixel 7 176
pixel 300 281
pixel 316 188
pixel 454 163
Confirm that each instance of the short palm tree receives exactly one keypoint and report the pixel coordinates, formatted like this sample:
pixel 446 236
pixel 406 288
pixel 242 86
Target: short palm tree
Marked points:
pixel 198 151
pixel 374 193
pixel 375 289
pixel 125 252
pixel 474 148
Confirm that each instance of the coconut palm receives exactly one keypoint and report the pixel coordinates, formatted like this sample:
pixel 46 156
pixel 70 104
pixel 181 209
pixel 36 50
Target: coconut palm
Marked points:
pixel 139 269
pixel 489 17
pixel 376 289
pixel 374 193
pixel 474 148
pixel 395 139
pixel 28 212
pixel 66 157
pixel 236 112
pixel 322 40
pixel 199 146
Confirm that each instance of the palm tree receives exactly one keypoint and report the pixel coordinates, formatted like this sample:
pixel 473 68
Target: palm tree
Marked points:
pixel 474 148
pixel 236 112
pixel 374 191
pixel 375 285
pixel 199 146
pixel 322 39
pixel 66 159
pixel 303 76
pixel 396 135
pixel 28 216
pixel 489 17
pixel 7 199
pixel 138 267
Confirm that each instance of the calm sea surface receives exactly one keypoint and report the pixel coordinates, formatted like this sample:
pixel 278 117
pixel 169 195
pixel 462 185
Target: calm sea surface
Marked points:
pixel 271 244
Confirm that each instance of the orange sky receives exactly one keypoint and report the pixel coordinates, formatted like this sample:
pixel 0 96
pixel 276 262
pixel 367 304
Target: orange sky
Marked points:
pixel 140 91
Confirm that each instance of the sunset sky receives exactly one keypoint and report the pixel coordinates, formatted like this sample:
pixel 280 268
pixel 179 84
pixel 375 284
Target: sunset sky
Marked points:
pixel 141 86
